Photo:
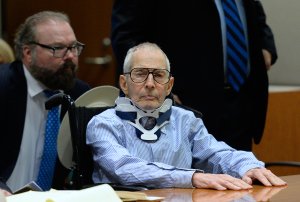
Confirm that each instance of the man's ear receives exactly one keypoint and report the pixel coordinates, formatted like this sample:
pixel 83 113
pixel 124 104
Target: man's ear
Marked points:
pixel 27 55
pixel 123 84
pixel 170 85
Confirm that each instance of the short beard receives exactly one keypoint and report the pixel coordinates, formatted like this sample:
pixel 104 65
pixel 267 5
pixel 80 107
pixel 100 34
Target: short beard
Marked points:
pixel 62 79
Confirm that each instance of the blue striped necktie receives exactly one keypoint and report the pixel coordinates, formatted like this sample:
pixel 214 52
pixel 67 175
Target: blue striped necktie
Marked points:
pixel 237 54
pixel 48 161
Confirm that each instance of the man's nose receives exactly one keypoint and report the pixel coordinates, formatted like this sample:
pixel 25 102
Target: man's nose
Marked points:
pixel 150 79
pixel 70 53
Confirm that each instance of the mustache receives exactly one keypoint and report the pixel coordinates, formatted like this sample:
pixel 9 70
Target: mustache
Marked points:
pixel 69 64
pixel 68 67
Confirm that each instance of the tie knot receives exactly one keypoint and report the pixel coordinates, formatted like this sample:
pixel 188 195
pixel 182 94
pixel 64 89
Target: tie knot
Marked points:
pixel 148 122
pixel 50 93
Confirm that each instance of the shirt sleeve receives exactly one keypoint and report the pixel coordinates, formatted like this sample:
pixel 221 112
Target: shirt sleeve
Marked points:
pixel 217 157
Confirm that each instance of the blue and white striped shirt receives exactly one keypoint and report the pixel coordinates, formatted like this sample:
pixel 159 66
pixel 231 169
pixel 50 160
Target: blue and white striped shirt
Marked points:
pixel 184 145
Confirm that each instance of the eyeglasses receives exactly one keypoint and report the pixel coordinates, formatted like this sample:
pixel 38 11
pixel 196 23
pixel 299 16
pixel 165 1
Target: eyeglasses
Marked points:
pixel 139 75
pixel 61 51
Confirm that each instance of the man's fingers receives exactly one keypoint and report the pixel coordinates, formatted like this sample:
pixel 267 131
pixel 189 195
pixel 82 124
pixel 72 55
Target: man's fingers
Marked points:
pixel 266 177
pixel 234 183
pixel 273 179
pixel 247 179
pixel 219 182
pixel 237 184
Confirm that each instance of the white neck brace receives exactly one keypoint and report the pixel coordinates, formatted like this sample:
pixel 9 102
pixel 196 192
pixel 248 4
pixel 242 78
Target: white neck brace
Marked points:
pixel 125 107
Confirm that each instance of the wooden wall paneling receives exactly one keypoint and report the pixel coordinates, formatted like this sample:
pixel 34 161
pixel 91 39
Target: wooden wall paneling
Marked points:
pixel 91 22
pixel 281 139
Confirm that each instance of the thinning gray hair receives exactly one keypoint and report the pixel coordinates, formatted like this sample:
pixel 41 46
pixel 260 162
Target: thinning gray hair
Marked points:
pixel 26 32
pixel 146 45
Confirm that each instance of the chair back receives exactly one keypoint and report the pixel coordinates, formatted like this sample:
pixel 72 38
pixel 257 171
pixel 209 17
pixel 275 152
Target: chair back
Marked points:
pixel 82 153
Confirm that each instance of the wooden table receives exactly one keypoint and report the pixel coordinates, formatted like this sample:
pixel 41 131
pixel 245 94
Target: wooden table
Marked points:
pixel 288 193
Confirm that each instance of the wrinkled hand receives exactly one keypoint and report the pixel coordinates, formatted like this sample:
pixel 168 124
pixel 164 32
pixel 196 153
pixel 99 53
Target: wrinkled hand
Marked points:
pixel 268 58
pixel 218 182
pixel 265 176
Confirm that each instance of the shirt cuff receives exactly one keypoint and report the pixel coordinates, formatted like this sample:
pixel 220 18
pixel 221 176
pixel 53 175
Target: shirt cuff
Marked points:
pixel 246 168
pixel 183 178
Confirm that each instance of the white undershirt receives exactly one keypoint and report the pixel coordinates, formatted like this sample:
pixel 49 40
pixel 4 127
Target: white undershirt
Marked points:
pixel 27 166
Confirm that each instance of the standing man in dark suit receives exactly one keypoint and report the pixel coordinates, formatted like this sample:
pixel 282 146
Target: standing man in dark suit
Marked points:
pixel 47 58
pixel 193 35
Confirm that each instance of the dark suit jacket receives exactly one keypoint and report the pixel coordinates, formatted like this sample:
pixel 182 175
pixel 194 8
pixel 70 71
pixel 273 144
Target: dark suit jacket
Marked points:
pixel 13 93
pixel 189 32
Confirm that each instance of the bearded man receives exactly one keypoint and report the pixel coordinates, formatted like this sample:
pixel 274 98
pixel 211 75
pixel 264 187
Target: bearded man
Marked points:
pixel 47 53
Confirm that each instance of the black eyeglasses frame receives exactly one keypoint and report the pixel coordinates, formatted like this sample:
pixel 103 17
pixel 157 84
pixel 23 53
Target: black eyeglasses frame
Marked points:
pixel 54 49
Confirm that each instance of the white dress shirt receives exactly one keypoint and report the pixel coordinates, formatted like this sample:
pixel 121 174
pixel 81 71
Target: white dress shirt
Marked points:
pixel 31 151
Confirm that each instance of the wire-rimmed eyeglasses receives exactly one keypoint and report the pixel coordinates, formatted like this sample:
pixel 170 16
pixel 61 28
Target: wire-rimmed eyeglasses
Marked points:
pixel 61 51
pixel 139 75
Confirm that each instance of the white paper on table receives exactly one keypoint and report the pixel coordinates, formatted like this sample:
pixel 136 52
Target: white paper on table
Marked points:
pixel 98 193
